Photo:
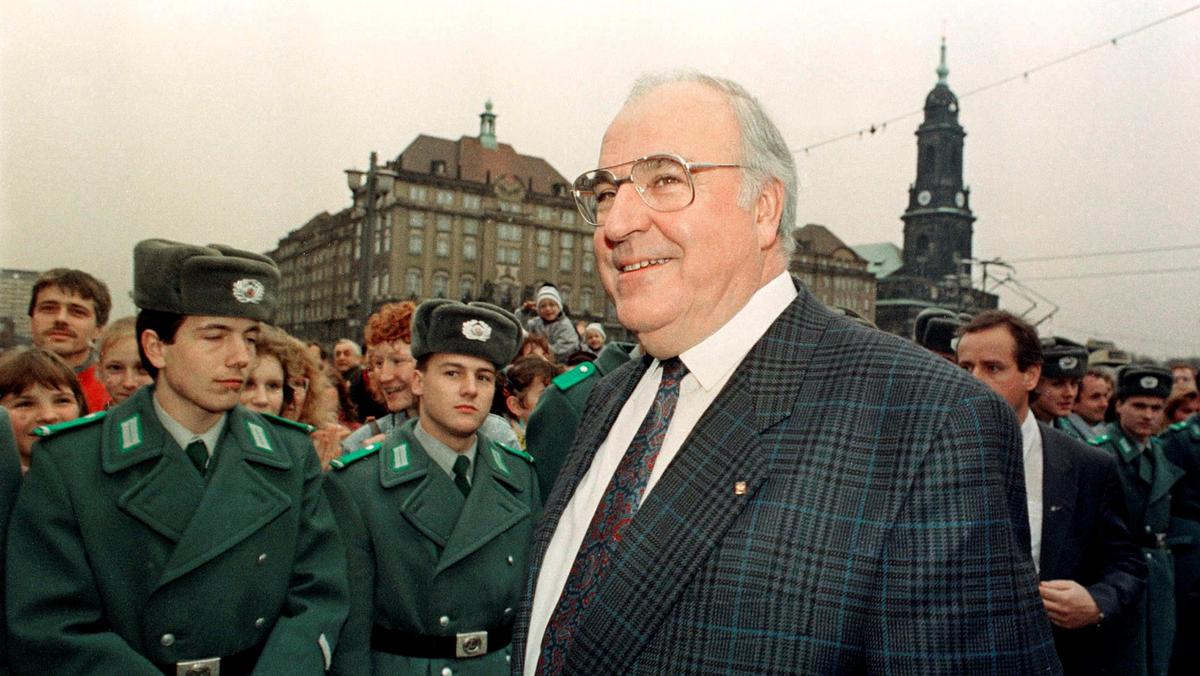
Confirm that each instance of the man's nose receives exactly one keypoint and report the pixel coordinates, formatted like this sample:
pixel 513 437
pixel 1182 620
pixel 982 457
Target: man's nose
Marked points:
pixel 627 214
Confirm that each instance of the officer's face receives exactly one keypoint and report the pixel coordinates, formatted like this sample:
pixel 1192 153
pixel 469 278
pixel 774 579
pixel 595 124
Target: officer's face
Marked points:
pixel 122 369
pixel 991 356
pixel 64 323
pixel 264 388
pixel 392 367
pixel 1055 397
pixel 201 373
pixel 1093 399
pixel 1140 416
pixel 456 393
pixel 38 405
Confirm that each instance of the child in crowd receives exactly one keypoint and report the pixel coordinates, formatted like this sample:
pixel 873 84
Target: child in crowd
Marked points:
pixel 594 336
pixel 38 388
pixel 553 323
pixel 523 382
pixel 121 368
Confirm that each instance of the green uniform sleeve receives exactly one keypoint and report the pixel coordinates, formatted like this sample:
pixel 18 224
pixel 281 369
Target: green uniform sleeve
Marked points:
pixel 306 634
pixel 353 656
pixel 56 621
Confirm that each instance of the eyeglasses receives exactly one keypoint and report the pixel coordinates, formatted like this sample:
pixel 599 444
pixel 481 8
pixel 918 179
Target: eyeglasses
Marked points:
pixel 664 182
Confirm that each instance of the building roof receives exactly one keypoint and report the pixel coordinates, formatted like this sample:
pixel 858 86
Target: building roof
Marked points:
pixel 817 239
pixel 883 258
pixel 468 159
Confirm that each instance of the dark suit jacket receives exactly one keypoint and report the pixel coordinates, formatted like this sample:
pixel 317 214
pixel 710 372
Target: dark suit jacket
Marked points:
pixel 883 528
pixel 1085 538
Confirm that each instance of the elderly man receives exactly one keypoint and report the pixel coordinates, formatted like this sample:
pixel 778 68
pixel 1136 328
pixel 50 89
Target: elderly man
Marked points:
pixel 773 489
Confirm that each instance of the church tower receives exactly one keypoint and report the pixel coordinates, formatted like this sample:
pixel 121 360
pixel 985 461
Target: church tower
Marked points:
pixel 938 220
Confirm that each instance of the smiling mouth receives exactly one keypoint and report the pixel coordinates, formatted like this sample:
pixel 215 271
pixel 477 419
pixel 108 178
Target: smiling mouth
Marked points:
pixel 643 264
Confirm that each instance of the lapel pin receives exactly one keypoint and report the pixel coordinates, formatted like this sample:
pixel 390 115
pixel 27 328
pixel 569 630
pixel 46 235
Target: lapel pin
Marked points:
pixel 739 488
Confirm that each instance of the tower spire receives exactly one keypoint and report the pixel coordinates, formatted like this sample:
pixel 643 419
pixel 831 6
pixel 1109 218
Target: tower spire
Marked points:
pixel 487 126
pixel 942 70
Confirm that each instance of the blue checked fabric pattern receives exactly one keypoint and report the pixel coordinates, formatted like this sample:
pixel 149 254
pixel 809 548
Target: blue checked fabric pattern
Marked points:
pixel 613 514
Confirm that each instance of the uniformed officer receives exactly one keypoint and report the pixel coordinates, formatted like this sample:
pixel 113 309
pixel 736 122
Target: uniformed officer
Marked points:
pixel 10 481
pixel 438 518
pixel 131 555
pixel 1063 366
pixel 1181 446
pixel 1147 478
pixel 551 429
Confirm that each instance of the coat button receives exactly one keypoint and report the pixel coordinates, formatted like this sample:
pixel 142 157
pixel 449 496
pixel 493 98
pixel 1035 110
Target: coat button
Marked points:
pixel 444 621
pixel 508 611
pixel 510 560
pixel 260 623
pixel 1147 529
pixel 167 640
pixel 262 558
pixel 447 672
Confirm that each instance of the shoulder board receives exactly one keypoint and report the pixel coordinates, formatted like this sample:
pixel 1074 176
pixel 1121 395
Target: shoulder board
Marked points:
pixel 516 451
pixel 580 373
pixel 1181 425
pixel 351 458
pixel 279 420
pixel 47 430
pixel 1096 441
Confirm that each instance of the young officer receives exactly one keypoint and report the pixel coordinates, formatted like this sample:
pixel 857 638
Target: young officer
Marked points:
pixel 1063 367
pixel 132 555
pixel 437 518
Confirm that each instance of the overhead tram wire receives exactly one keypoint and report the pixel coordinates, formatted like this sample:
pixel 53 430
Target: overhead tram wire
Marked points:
pixel 1099 254
pixel 1023 75
pixel 1121 273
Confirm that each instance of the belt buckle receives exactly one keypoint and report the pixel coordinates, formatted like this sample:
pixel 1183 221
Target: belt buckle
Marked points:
pixel 470 644
pixel 206 667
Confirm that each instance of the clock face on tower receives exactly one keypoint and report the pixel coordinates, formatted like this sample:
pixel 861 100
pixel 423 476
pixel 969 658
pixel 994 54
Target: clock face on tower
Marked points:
pixel 923 197
pixel 960 199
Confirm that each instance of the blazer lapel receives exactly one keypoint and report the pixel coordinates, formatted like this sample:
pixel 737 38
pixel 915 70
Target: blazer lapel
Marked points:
pixel 239 500
pixel 490 509
pixel 1059 488
pixel 712 479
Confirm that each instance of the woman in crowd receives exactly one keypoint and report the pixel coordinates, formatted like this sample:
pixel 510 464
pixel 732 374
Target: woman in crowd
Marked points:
pixel 38 388
pixel 121 368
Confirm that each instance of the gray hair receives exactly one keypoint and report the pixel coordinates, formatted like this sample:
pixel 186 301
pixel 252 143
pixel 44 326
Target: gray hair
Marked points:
pixel 353 346
pixel 765 155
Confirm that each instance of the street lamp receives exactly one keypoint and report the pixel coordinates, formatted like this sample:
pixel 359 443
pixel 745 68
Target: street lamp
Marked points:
pixel 378 182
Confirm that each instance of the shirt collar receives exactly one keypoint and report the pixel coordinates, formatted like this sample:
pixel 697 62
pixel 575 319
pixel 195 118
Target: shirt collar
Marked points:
pixel 440 453
pixel 182 435
pixel 715 356
pixel 1029 432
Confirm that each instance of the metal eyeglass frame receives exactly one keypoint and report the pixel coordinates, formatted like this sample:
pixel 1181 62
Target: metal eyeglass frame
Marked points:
pixel 690 167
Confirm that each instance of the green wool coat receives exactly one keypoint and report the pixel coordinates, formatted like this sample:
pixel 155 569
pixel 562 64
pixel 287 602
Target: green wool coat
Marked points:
pixel 10 482
pixel 1181 445
pixel 424 560
pixel 1149 514
pixel 121 555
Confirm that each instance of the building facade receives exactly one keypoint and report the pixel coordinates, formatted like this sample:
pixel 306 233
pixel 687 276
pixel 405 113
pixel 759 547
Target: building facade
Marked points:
pixel 938 224
pixel 15 287
pixel 470 219
pixel 834 272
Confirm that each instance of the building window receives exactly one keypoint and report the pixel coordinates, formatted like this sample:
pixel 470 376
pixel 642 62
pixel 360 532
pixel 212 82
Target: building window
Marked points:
pixel 568 217
pixel 511 207
pixel 442 245
pixel 566 254
pixel 441 284
pixel 412 282
pixel 470 226
pixel 543 257
pixel 565 292
pixel 471 201
pixel 545 213
pixel 443 223
pixel 508 255
pixel 508 231
pixel 543 237
pixel 589 255
pixel 466 288
pixel 445 197
pixel 585 300
pixel 419 193
pixel 469 250
pixel 416 219
pixel 416 241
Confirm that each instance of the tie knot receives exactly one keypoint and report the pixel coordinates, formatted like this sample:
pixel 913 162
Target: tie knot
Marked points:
pixel 673 370
pixel 461 465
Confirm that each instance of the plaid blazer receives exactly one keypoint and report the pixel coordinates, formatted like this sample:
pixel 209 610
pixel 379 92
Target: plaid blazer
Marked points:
pixel 883 528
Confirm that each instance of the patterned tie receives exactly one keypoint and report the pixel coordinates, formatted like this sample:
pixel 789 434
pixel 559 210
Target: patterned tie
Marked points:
pixel 613 514
pixel 198 454
pixel 462 467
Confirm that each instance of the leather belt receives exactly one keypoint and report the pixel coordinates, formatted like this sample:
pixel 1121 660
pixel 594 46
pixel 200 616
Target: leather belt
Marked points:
pixel 236 664
pixel 464 645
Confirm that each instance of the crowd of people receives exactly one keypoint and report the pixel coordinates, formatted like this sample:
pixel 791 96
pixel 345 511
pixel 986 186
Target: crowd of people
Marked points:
pixel 759 485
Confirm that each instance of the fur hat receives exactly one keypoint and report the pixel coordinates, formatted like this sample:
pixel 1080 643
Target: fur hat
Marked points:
pixel 477 329
pixel 214 280
pixel 1062 358
pixel 1144 380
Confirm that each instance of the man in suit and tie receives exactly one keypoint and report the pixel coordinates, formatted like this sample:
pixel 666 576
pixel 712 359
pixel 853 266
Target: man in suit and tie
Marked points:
pixel 1091 569
pixel 179 532
pixel 773 488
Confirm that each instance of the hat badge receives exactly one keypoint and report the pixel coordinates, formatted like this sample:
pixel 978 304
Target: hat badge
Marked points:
pixel 248 291
pixel 1148 382
pixel 1067 363
pixel 475 329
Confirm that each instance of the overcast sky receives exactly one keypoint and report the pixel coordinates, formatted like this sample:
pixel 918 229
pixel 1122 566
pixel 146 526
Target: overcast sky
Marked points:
pixel 233 121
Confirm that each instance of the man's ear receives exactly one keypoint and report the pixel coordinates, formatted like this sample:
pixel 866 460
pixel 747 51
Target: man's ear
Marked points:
pixel 768 211
pixel 417 386
pixel 1032 376
pixel 513 404
pixel 153 346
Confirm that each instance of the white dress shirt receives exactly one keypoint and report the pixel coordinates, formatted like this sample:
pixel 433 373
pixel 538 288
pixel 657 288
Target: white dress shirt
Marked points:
pixel 1034 461
pixel 710 364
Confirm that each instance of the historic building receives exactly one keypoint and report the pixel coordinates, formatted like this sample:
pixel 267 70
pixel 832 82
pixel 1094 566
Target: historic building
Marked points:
pixel 834 272
pixel 938 224
pixel 470 219
pixel 15 286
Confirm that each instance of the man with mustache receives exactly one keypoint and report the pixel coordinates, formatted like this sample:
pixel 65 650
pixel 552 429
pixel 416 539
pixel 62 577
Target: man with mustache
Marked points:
pixel 179 532
pixel 67 311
